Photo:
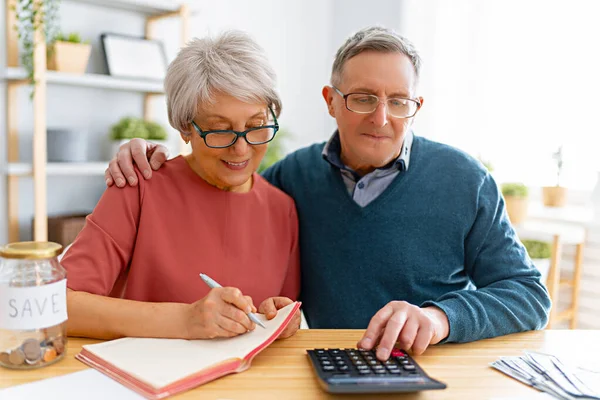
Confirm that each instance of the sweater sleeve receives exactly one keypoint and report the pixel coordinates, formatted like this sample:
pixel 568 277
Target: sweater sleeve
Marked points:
pixel 509 296
pixel 103 249
pixel 291 285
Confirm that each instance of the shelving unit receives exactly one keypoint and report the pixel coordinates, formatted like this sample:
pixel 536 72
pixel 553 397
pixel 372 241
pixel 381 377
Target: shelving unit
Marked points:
pixel 90 80
pixel 39 169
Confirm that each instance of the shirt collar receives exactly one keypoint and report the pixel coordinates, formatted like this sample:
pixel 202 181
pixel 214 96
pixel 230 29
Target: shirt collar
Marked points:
pixel 333 149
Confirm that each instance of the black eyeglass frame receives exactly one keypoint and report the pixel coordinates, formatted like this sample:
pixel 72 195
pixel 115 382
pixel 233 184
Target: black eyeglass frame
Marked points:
pixel 204 134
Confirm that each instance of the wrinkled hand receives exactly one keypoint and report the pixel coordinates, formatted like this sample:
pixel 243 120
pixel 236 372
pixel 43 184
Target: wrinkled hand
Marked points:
pixel 222 313
pixel 269 308
pixel 414 328
pixel 138 151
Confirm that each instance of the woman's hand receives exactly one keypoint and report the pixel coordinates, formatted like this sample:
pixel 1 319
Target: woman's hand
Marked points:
pixel 269 308
pixel 222 313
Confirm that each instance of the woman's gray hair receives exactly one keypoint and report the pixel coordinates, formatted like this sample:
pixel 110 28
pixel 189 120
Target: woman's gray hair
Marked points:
pixel 374 38
pixel 231 63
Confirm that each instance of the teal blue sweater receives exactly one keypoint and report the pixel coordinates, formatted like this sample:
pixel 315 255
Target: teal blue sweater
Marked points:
pixel 438 235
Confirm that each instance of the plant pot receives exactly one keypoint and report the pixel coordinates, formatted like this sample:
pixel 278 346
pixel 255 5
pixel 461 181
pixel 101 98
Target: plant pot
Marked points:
pixel 69 57
pixel 543 265
pixel 516 207
pixel 554 196
pixel 66 145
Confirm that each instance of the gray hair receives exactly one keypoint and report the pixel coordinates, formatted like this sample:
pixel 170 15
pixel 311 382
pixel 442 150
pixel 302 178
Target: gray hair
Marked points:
pixel 231 63
pixel 377 39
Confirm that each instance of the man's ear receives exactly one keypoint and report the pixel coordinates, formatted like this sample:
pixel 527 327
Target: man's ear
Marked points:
pixel 327 93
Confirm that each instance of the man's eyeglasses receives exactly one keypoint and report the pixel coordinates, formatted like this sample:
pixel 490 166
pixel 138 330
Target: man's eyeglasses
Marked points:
pixel 220 139
pixel 365 103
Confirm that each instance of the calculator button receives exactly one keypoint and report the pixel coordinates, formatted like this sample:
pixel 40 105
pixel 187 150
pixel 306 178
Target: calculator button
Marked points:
pixel 340 362
pixel 328 368
pixel 355 358
pixel 394 371
pixel 338 358
pixel 320 352
pixel 397 353
pixel 379 371
pixel 359 362
pixel 364 371
pixel 363 367
pixel 405 362
pixel 343 368
pixel 408 367
pixel 334 352
pixel 325 362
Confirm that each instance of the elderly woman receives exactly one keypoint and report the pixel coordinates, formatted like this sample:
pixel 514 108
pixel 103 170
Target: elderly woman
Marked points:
pixel 134 269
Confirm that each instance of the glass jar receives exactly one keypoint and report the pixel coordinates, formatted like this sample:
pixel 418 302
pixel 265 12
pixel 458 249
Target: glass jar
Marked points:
pixel 33 305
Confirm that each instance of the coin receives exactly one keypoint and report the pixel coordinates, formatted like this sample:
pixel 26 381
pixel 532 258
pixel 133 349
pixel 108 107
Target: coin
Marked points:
pixel 16 357
pixel 49 354
pixel 32 350
pixel 4 358
pixel 58 344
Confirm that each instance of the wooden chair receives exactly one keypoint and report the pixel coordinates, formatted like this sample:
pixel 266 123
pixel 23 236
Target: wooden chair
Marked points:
pixel 559 234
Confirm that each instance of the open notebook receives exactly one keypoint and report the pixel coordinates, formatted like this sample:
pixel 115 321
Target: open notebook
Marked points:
pixel 158 368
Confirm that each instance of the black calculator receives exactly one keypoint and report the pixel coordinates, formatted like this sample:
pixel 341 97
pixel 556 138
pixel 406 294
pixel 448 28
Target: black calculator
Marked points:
pixel 359 371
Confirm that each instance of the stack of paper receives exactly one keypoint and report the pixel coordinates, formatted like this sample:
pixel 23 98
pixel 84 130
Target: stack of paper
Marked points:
pixel 548 374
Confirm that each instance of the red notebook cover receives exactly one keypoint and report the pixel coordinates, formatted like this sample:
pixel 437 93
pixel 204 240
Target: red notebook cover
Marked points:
pixel 138 374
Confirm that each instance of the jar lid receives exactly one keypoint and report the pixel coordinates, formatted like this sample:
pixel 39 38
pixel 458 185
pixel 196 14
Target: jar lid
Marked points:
pixel 31 250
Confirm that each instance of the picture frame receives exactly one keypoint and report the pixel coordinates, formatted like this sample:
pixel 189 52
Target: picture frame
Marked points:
pixel 123 55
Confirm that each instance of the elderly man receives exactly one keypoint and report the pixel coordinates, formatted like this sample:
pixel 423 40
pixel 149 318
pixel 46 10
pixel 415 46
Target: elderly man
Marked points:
pixel 401 235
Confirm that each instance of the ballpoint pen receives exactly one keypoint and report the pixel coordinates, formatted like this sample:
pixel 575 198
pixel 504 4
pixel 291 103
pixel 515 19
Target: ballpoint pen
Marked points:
pixel 213 284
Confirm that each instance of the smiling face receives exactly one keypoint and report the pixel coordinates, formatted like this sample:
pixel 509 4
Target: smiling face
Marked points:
pixel 229 168
pixel 371 141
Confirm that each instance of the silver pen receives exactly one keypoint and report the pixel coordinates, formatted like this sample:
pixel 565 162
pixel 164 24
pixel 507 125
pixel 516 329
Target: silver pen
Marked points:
pixel 213 284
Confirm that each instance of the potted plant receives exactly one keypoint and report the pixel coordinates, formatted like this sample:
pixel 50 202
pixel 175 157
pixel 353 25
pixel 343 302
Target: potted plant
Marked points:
pixel 132 127
pixel 540 253
pixel 555 196
pixel 29 17
pixel 68 53
pixel 515 197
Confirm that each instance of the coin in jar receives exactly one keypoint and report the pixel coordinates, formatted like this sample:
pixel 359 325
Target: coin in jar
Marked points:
pixel 32 350
pixel 4 358
pixel 49 354
pixel 58 344
pixel 16 357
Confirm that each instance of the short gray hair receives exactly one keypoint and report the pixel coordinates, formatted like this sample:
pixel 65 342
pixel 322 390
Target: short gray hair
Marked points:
pixel 231 63
pixel 374 38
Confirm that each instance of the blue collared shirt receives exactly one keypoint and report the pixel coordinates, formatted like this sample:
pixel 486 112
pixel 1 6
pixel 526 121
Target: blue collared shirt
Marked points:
pixel 367 188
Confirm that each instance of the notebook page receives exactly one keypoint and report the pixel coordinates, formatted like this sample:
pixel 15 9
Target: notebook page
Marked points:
pixel 160 362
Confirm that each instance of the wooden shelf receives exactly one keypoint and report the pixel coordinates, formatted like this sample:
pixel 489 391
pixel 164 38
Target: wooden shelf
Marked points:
pixel 148 7
pixel 59 169
pixel 92 80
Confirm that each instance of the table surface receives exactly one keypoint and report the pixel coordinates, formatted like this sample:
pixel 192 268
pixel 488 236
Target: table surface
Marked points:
pixel 282 371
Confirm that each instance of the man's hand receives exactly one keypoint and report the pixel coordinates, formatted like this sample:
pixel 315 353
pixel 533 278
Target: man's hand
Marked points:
pixel 269 308
pixel 412 327
pixel 138 151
